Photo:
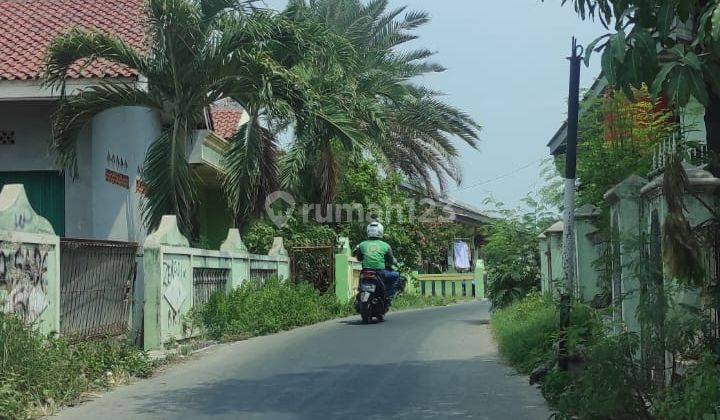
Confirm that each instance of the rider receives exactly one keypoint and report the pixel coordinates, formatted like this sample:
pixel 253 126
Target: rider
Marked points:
pixel 375 254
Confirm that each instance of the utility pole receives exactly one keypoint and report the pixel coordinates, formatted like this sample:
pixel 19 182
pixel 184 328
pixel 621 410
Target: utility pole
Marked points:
pixel 569 211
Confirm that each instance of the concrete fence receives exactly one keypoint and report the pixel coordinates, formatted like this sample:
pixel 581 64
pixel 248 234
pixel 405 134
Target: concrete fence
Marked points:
pixel 178 277
pixel 637 212
pixel 29 262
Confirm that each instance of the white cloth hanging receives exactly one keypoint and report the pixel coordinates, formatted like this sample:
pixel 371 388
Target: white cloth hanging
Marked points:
pixel 462 255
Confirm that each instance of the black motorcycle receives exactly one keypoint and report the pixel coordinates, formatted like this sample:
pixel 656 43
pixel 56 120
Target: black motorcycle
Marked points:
pixel 371 301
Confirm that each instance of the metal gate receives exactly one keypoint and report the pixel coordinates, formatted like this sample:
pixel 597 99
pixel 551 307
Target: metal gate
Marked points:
pixel 207 282
pixel 708 235
pixel 314 265
pixel 96 281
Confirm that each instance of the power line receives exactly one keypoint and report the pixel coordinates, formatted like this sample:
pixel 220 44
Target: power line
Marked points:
pixel 499 177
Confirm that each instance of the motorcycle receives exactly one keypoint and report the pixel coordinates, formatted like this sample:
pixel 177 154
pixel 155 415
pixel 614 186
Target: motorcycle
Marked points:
pixel 371 301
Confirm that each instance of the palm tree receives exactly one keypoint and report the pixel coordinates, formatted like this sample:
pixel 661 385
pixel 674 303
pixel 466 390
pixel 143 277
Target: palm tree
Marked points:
pixel 200 51
pixel 406 125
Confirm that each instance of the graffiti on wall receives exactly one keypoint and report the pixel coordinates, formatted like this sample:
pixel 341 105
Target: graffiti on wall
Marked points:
pixel 23 280
pixel 174 274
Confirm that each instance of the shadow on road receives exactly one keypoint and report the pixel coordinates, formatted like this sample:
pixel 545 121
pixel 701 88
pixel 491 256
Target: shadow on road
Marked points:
pixel 472 388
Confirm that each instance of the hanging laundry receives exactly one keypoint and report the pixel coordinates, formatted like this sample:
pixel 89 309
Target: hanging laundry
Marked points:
pixel 462 256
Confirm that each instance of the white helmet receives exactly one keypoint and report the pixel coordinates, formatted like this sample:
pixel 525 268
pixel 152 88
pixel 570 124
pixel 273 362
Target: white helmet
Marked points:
pixel 375 230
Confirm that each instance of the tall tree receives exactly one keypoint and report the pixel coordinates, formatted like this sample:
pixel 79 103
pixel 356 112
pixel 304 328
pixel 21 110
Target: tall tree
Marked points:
pixel 199 51
pixel 403 123
pixel 673 46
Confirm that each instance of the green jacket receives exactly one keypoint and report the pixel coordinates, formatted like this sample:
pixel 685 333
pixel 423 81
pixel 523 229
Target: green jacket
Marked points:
pixel 375 254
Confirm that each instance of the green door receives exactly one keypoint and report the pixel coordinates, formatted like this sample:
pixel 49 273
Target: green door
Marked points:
pixel 46 193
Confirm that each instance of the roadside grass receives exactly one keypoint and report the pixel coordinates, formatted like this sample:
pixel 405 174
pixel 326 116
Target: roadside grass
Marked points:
pixel 259 308
pixel 525 331
pixel 39 374
pixel 410 301
pixel 606 380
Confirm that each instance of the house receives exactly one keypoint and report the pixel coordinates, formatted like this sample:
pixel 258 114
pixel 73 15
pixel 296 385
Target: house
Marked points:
pixel 472 220
pixel 103 200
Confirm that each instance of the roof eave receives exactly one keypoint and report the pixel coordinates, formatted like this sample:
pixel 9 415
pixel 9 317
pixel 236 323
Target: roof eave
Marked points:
pixel 33 89
pixel 557 142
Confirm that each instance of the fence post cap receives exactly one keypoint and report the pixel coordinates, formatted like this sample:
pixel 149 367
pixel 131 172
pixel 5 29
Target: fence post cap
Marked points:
pixel 17 215
pixel 344 245
pixel 167 233
pixel 587 211
pixel 278 247
pixel 233 242
pixel 628 188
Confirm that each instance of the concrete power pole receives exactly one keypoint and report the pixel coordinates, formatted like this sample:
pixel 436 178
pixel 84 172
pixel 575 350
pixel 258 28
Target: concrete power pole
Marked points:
pixel 569 211
pixel 570 169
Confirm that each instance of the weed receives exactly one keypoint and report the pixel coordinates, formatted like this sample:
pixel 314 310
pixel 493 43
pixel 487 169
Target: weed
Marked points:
pixel 37 371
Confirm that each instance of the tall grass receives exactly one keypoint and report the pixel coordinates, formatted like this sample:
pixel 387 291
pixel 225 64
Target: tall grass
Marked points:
pixel 525 331
pixel 258 308
pixel 39 373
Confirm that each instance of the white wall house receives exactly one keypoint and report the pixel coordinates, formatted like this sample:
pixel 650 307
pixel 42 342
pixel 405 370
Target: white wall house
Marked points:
pixel 103 200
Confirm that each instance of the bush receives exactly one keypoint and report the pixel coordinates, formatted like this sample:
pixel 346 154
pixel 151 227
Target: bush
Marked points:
pixel 38 371
pixel 258 308
pixel 526 331
pixel 608 386
pixel 511 251
pixel 697 396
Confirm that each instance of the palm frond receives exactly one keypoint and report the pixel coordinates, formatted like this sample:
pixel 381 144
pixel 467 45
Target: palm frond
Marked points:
pixel 251 171
pixel 171 187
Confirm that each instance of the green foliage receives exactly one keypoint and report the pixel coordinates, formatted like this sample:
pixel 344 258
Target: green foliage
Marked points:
pixel 404 124
pixel 697 396
pixel 617 139
pixel 416 233
pixel 511 252
pixel 671 45
pixel 37 371
pixel 609 384
pixel 258 308
pixel 259 237
pixel 525 331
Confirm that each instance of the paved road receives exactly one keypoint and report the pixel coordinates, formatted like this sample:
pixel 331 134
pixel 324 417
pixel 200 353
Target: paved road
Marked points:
pixel 430 364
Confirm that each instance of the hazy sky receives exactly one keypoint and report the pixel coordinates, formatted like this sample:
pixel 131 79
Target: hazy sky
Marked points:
pixel 507 68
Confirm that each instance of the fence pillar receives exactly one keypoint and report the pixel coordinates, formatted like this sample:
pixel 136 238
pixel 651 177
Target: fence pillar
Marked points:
pixel 587 253
pixel 624 199
pixel 412 287
pixel 29 262
pixel 240 259
pixel 479 279
pixel 343 272
pixel 555 262
pixel 278 250
pixel 168 285
pixel 543 250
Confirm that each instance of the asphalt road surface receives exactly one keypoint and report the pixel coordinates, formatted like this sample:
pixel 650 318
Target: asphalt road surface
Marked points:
pixel 438 363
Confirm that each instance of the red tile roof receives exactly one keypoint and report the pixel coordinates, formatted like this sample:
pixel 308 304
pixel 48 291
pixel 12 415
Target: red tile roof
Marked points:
pixel 29 26
pixel 225 120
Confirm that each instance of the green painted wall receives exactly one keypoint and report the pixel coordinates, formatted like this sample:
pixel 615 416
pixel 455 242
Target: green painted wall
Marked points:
pixel 46 192
pixel 214 216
